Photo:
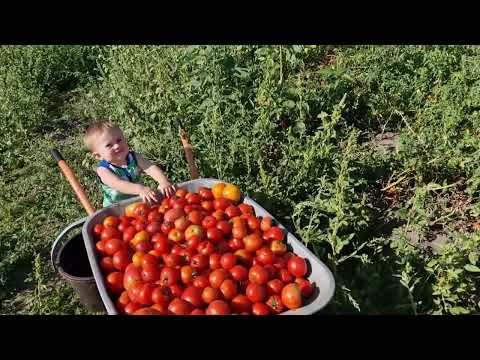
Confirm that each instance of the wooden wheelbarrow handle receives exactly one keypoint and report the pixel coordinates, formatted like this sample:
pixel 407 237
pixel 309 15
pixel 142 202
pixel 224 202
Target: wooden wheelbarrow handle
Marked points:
pixel 187 147
pixel 72 179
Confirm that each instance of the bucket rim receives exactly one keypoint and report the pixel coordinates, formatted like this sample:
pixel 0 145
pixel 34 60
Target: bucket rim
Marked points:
pixel 68 276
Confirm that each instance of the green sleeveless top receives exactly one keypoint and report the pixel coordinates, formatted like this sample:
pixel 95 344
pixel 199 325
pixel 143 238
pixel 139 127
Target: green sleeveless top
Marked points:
pixel 131 172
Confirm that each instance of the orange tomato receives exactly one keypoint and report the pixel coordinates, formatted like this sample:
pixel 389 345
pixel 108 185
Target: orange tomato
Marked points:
pixel 231 192
pixel 217 190
pixel 130 209
pixel 111 221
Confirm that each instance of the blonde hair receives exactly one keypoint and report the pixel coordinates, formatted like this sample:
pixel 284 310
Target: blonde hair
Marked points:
pixel 96 129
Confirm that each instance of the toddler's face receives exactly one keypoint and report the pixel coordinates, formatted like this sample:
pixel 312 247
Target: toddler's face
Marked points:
pixel 111 146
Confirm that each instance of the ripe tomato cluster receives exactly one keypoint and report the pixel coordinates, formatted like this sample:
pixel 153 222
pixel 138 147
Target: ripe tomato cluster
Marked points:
pixel 199 253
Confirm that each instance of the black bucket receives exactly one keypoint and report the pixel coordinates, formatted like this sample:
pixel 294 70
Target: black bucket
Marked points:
pixel 70 259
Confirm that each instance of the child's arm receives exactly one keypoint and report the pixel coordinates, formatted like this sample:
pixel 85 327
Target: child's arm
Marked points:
pixel 164 185
pixel 126 187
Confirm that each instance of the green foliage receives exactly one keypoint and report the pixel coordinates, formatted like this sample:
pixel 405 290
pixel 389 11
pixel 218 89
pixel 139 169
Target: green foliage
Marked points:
pixel 292 125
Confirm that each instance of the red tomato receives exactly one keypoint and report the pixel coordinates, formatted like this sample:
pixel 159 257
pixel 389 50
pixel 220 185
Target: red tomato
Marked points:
pixel 112 246
pixel 279 263
pixel 297 266
pixel 239 272
pixel 245 209
pixel 219 215
pixel 252 242
pixel 253 223
pixel 235 244
pixel 275 304
pixel 145 294
pixel 274 287
pixel 260 309
pixel 123 298
pixel 210 294
pixel 274 233
pixel 154 217
pixel 206 248
pixel 106 264
pixel 222 247
pixel 214 261
pixel 199 262
pixel 122 226
pixel 271 270
pixel 161 295
pixel 258 275
pixel 161 244
pixel 179 307
pixel 228 261
pixel 195 217
pixel 143 246
pixel 186 274
pixel 218 307
pixel 193 295
pixel 285 276
pixel 160 308
pixel 129 233
pixel 225 227
pixel 100 246
pixel 121 260
pixel 131 307
pixel 97 230
pixel 181 223
pixel 239 232
pixel 232 211
pixel 228 288
pixel 207 205
pixel 150 273
pixel 176 290
pixel 140 210
pixel 216 278
pixel 221 204
pixel 132 276
pixel 194 199
pixel 179 203
pixel 181 193
pixel 205 194
pixel 266 223
pixel 292 296
pixel 115 282
pixel 265 256
pixel 255 292
pixel 153 227
pixel 140 224
pixel 243 257
pixel 148 259
pixel 201 281
pixel 306 287
pixel 166 227
pixel 169 276
pixel 241 304
pixel 209 222
pixel 193 242
pixel 198 312
pixel 110 232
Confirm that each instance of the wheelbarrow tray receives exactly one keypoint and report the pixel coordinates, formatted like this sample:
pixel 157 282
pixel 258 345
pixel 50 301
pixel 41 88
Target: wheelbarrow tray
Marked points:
pixel 318 272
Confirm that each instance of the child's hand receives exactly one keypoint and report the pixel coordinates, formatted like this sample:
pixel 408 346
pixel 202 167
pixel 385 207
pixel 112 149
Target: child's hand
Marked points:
pixel 148 195
pixel 166 188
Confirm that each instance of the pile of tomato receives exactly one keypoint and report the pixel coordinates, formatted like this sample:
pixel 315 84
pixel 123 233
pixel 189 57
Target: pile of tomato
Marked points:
pixel 201 253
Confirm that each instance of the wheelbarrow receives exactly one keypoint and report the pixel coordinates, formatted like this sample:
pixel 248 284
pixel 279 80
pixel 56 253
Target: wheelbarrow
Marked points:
pixel 318 273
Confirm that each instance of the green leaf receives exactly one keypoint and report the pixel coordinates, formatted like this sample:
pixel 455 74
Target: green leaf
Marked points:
pixel 472 268
pixel 289 104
